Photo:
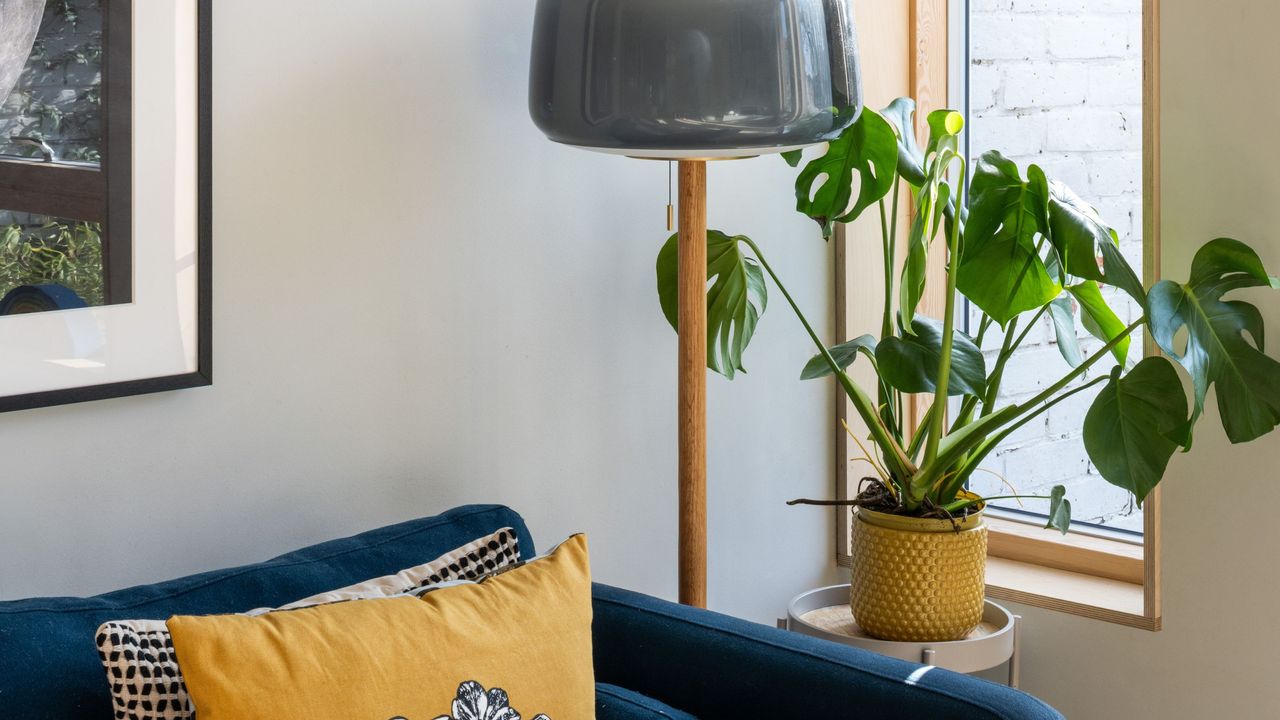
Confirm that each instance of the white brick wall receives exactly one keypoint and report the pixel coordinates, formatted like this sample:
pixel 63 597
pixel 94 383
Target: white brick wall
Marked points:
pixel 1058 83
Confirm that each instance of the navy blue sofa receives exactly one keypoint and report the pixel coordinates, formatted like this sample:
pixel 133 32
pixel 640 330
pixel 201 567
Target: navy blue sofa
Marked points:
pixel 653 659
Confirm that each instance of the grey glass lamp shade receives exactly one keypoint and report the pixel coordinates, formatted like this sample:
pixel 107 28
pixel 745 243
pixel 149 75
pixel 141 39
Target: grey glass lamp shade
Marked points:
pixel 679 79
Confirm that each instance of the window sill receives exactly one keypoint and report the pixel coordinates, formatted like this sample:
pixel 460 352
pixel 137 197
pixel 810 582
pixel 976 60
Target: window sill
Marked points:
pixel 1074 593
pixel 1075 552
pixel 1095 577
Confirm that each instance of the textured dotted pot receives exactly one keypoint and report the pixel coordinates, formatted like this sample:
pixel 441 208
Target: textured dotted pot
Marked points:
pixel 918 580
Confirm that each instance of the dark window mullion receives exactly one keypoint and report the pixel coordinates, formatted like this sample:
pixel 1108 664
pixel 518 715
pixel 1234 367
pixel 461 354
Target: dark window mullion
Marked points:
pixel 117 144
pixel 65 191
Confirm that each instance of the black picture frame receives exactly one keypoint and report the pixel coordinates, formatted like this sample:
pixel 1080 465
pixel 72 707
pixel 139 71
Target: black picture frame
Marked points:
pixel 203 375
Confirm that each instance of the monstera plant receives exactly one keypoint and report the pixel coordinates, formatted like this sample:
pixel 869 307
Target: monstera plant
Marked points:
pixel 1018 246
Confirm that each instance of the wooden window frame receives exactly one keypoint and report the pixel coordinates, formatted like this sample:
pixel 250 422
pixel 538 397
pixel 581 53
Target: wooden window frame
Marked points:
pixel 87 193
pixel 905 51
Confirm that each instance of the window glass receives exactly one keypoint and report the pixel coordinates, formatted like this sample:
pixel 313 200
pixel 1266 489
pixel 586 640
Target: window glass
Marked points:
pixel 58 98
pixel 1058 83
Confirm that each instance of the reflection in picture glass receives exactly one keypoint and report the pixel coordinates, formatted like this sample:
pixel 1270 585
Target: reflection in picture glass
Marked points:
pixel 49 263
pixel 58 100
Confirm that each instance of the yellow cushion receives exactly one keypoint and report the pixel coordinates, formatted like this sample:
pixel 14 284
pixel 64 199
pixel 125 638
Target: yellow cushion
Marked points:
pixel 523 638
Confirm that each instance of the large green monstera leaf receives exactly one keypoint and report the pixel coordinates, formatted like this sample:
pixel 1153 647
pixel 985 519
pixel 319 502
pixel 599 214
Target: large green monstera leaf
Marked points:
pixel 735 301
pixel 1136 424
pixel 1027 239
pixel 867 149
pixel 910 363
pixel 1002 269
pixel 1080 237
pixel 1224 338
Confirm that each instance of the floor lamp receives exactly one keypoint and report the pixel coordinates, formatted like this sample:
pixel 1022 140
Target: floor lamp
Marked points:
pixel 692 81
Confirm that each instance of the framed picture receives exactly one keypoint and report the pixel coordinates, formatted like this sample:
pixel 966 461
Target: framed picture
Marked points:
pixel 105 218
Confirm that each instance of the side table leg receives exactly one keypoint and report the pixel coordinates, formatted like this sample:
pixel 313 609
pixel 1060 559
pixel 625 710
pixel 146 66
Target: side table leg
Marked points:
pixel 1015 660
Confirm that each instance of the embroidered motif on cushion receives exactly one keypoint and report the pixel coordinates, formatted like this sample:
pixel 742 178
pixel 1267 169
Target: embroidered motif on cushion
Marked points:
pixel 473 703
pixel 138 655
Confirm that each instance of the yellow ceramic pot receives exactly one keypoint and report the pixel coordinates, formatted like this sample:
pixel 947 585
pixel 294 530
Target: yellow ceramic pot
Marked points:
pixel 916 579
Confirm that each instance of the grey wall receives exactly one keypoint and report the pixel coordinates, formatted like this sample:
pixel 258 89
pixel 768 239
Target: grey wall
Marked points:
pixel 495 337
pixel 419 303
pixel 1218 653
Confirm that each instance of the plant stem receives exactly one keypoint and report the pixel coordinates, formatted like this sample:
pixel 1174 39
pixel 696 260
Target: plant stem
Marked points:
pixel 1084 367
pixel 891 264
pixel 970 404
pixel 1030 326
pixel 886 244
pixel 1006 354
pixel 966 413
pixel 890 258
pixel 899 403
pixel 913 449
pixel 889 409
pixel 997 373
pixel 973 461
pixel 897 460
pixel 975 436
pixel 938 427
pixel 983 325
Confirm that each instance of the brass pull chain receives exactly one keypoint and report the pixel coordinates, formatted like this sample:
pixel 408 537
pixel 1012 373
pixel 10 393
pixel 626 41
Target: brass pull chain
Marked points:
pixel 671 208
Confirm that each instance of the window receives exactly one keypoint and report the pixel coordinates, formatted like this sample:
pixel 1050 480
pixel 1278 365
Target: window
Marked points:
pixel 1068 86
pixel 1059 84
pixel 65 161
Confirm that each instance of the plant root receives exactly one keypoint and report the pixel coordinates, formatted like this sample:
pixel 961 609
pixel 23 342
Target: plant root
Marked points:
pixel 874 494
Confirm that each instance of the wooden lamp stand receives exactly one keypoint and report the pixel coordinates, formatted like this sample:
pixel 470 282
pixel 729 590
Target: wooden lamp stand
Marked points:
pixel 692 420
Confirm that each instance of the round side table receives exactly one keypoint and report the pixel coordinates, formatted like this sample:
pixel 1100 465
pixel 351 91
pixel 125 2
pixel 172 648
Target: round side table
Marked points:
pixel 825 613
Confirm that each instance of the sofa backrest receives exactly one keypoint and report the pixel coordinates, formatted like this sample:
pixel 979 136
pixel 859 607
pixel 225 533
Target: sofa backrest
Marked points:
pixel 49 666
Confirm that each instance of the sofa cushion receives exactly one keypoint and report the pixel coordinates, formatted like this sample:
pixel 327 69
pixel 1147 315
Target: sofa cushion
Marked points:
pixel 517 639
pixel 138 655
pixel 49 665
pixel 615 703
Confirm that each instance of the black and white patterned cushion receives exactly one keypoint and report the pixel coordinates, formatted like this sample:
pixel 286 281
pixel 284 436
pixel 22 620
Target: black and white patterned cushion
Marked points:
pixel 142 668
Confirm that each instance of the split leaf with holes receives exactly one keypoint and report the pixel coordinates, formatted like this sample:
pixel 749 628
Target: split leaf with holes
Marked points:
pixel 1224 338
pixel 868 151
pixel 736 298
